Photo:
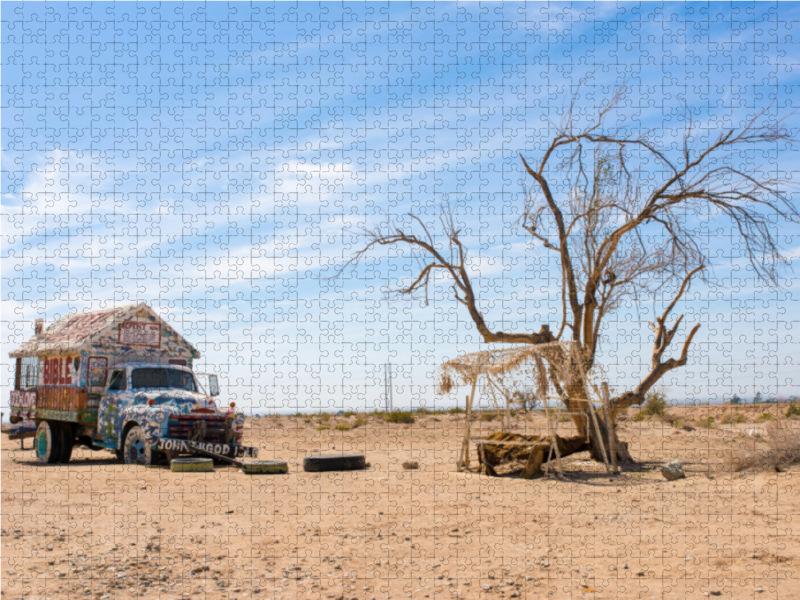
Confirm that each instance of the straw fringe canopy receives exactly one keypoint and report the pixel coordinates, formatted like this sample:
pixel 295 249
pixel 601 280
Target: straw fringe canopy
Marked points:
pixel 512 367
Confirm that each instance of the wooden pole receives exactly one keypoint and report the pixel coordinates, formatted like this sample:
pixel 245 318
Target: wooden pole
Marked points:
pixel 463 462
pixel 612 434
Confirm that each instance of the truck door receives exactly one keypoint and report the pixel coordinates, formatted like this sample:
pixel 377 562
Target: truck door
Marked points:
pixel 109 418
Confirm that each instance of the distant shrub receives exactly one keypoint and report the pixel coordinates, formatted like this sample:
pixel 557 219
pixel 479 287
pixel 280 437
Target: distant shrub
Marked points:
pixel 783 451
pixel 343 427
pixel 655 403
pixel 765 417
pixel 455 411
pixel 360 421
pixel 792 411
pixel 324 417
pixel 399 416
pixel 640 416
pixel 732 418
pixel 323 427
pixel 307 420
pixel 677 424
pixel 488 416
pixel 349 413
pixel 707 423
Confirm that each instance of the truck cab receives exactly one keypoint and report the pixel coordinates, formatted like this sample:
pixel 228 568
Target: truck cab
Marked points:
pixel 146 402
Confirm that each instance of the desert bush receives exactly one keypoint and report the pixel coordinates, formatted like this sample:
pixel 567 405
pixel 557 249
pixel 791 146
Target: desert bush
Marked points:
pixel 455 411
pixel 324 417
pixel 783 451
pixel 360 421
pixel 399 416
pixel 765 417
pixel 307 420
pixel 488 416
pixel 343 427
pixel 323 427
pixel 640 416
pixel 655 403
pixel 792 411
pixel 677 424
pixel 707 423
pixel 349 413
pixel 729 418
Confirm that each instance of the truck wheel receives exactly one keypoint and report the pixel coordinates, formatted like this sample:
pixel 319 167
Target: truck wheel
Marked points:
pixel 47 442
pixel 334 462
pixel 135 450
pixel 67 442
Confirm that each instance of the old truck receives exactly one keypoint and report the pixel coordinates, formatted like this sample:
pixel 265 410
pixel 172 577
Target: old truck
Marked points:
pixel 120 379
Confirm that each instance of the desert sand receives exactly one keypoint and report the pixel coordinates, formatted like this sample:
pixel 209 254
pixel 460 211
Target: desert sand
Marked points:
pixel 98 529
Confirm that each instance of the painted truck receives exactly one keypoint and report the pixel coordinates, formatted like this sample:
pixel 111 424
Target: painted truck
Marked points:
pixel 120 379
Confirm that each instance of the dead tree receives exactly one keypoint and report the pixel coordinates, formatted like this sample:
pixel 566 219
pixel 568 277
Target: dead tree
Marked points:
pixel 620 230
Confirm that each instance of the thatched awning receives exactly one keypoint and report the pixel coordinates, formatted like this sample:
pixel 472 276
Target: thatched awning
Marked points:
pixel 511 367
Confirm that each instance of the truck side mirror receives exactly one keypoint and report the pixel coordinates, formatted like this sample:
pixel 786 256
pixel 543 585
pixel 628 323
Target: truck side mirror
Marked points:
pixel 213 384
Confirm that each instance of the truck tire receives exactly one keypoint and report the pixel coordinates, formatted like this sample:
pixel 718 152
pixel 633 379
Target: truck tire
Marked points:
pixel 334 462
pixel 191 465
pixel 272 467
pixel 135 450
pixel 67 442
pixel 47 442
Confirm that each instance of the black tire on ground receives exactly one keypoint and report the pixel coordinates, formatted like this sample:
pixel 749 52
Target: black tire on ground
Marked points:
pixel 334 462
pixel 47 442
pixel 67 442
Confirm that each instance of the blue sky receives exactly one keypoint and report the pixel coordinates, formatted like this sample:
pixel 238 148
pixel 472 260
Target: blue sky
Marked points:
pixel 218 161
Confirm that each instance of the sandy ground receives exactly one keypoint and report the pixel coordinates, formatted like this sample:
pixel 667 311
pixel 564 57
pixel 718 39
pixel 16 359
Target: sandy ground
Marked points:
pixel 97 529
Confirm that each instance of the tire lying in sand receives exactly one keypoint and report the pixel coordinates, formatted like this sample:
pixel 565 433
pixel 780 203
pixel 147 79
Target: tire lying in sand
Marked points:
pixel 271 467
pixel 334 462
pixel 191 465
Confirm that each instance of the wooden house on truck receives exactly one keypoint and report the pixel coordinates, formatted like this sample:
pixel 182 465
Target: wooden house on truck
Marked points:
pixel 119 379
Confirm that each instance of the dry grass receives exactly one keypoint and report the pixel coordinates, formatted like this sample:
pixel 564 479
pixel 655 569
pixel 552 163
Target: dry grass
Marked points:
pixel 782 451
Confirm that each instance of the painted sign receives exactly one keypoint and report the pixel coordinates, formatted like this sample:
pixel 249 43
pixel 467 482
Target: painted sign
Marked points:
pixel 98 370
pixel 140 334
pixel 187 446
pixel 57 372
pixel 23 399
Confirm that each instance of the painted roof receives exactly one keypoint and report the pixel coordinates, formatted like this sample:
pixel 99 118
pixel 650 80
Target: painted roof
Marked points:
pixel 74 331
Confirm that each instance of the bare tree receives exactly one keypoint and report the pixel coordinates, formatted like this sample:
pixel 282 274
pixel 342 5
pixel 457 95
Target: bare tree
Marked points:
pixel 622 228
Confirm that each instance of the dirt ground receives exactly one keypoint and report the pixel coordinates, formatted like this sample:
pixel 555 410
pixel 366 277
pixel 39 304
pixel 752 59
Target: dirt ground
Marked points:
pixel 97 529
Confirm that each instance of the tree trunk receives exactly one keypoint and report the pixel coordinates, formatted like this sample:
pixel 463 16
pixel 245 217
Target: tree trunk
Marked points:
pixel 596 448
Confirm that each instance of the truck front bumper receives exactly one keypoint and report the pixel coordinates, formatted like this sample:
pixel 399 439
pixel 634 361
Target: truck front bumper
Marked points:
pixel 190 447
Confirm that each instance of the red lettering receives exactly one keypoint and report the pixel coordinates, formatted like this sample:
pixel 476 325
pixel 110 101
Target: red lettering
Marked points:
pixel 67 377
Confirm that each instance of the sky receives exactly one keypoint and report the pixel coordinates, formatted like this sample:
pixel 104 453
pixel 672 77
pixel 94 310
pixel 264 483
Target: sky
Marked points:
pixel 220 162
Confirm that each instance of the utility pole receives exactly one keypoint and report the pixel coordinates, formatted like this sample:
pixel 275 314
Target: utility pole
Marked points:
pixel 388 392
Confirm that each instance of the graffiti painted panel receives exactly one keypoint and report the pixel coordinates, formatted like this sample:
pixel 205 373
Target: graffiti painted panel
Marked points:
pixel 140 334
pixel 98 370
pixel 21 399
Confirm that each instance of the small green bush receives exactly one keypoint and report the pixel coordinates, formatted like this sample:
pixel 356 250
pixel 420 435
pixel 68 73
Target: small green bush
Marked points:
pixel 399 416
pixel 765 417
pixel 343 427
pixel 655 403
pixel 455 411
pixel 324 417
pixel 677 424
pixel 349 413
pixel 307 420
pixel 488 416
pixel 323 427
pixel 360 421
pixel 640 416
pixel 733 418
pixel 707 423
pixel 792 411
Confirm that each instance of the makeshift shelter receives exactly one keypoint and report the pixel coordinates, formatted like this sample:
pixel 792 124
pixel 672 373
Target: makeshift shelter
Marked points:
pixel 552 367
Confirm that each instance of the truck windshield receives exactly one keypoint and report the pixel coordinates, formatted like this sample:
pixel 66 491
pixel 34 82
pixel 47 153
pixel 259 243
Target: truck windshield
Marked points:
pixel 155 377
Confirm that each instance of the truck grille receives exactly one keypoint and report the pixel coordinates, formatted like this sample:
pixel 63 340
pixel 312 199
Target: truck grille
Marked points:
pixel 187 427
